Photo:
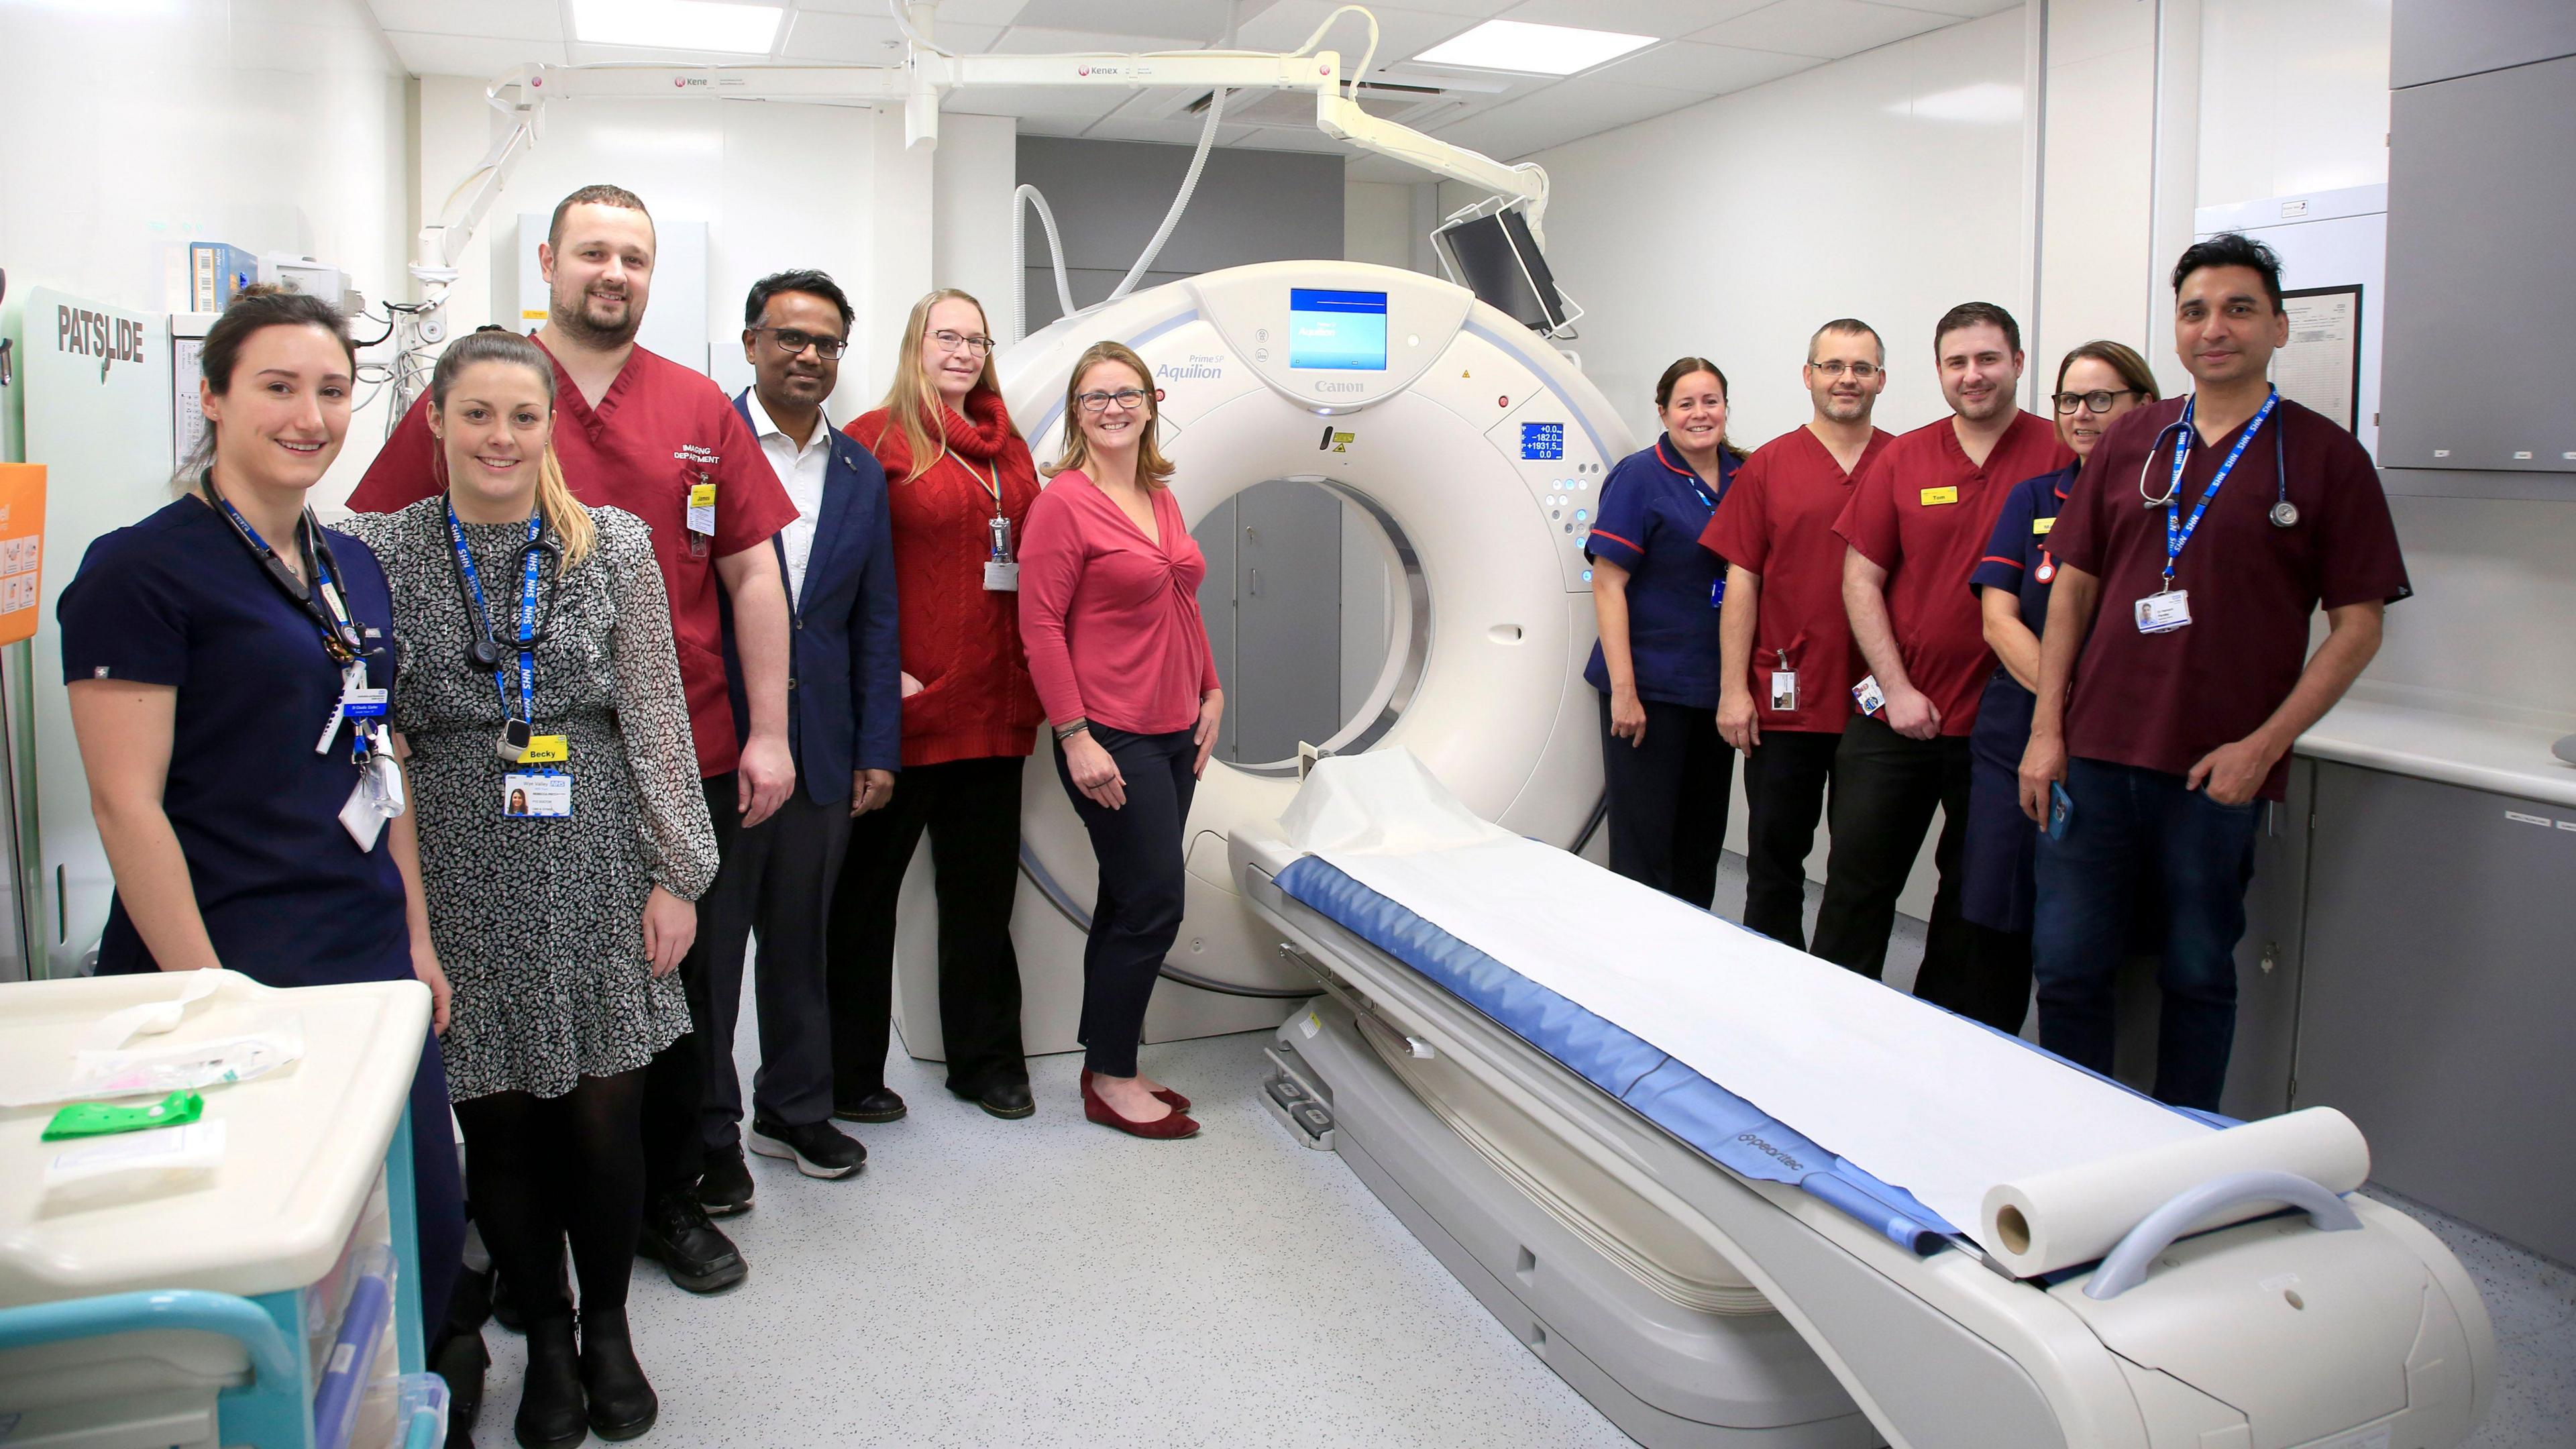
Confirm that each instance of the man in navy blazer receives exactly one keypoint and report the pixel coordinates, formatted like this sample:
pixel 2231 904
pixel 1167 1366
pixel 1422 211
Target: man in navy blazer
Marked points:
pixel 844 726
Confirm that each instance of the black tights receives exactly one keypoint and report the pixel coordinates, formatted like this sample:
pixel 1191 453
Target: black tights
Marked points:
pixel 539 1169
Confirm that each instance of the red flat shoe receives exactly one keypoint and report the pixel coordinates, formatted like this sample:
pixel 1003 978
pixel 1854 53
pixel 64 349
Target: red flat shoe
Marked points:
pixel 1163 1129
pixel 1166 1095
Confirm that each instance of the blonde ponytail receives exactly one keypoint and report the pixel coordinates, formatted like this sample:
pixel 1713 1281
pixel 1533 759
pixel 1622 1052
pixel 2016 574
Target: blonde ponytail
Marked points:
pixel 564 515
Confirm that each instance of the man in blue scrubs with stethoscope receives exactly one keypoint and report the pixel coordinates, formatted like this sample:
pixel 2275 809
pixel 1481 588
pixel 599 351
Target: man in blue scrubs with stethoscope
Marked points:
pixel 2249 512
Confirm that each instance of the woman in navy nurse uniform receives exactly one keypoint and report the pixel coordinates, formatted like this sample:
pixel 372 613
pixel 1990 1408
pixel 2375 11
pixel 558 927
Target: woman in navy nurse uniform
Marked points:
pixel 1655 593
pixel 204 648
pixel 2096 383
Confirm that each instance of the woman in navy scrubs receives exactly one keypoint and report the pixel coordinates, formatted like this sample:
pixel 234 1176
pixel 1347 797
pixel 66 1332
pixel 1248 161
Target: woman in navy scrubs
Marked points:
pixel 204 648
pixel 2095 384
pixel 1656 592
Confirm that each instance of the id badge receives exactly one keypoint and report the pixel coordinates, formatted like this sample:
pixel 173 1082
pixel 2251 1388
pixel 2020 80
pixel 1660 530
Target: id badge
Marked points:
pixel 1784 691
pixel 365 703
pixel 1001 577
pixel 702 507
pixel 1717 593
pixel 1867 697
pixel 2164 613
pixel 544 793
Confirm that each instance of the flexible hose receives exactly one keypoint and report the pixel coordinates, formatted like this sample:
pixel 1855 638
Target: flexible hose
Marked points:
pixel 1180 203
pixel 1020 261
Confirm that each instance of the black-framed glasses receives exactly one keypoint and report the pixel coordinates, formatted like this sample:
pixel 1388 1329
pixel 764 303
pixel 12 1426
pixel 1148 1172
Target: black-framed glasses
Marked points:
pixel 2097 402
pixel 791 341
pixel 1858 371
pixel 974 342
pixel 1127 398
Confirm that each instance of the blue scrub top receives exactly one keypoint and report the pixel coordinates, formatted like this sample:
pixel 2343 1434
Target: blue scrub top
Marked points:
pixel 287 896
pixel 1653 510
pixel 1996 887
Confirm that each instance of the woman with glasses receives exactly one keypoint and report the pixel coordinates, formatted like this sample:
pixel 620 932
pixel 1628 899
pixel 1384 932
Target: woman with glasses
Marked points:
pixel 1110 608
pixel 1656 596
pixel 959 482
pixel 2096 383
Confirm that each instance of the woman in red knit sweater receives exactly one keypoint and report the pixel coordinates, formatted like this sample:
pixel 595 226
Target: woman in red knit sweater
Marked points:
pixel 1109 606
pixel 959 479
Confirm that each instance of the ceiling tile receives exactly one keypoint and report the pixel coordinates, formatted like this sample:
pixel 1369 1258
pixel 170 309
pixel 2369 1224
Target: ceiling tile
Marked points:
pixel 1474 9
pixel 587 53
pixel 1202 22
pixel 870 40
pixel 1401 34
pixel 1708 70
pixel 1663 19
pixel 951 12
pixel 1566 111
pixel 1965 9
pixel 507 19
pixel 477 56
pixel 1826 29
pixel 1030 40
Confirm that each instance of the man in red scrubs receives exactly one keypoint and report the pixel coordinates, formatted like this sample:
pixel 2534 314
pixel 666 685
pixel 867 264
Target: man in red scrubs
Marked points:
pixel 1917 523
pixel 1787 668
pixel 2188 696
pixel 642 433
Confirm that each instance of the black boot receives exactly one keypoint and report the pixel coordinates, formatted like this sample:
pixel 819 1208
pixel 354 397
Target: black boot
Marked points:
pixel 622 1404
pixel 552 1413
pixel 461 1360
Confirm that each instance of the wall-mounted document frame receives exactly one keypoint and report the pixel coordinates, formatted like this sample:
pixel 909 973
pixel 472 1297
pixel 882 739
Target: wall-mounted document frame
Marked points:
pixel 2320 366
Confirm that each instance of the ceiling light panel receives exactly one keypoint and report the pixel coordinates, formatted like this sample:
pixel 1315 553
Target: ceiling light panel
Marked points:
pixel 1516 45
pixel 678 25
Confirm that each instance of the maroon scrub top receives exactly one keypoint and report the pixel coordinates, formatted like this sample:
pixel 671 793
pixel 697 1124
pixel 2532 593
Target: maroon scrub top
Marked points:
pixel 2162 701
pixel 1923 512
pixel 1778 522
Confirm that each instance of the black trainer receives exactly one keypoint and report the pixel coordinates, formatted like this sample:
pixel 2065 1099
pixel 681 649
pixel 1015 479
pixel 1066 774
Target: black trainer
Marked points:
pixel 818 1149
pixel 724 1189
pixel 881 1105
pixel 695 1251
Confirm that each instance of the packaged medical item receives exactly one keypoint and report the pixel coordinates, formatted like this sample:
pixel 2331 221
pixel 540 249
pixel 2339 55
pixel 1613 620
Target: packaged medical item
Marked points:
pixel 166 1152
pixel 159 1071
pixel 101 1119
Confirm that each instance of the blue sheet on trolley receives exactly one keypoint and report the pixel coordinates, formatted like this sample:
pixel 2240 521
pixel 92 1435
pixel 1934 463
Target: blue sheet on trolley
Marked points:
pixel 1713 1121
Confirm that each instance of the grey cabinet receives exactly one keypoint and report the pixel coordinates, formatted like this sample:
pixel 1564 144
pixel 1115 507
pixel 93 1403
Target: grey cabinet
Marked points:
pixel 1273 604
pixel 2436 40
pixel 2437 1007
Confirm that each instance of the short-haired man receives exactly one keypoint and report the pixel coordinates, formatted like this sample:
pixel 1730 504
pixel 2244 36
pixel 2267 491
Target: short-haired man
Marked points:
pixel 645 434
pixel 1787 664
pixel 845 725
pixel 2187 697
pixel 1917 523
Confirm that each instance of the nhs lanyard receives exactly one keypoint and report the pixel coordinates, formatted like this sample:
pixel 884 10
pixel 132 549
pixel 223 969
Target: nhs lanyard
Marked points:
pixel 321 602
pixel 2178 531
pixel 527 711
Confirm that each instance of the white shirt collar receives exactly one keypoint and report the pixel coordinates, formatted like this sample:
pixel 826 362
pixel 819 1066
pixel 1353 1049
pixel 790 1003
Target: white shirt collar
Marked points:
pixel 763 426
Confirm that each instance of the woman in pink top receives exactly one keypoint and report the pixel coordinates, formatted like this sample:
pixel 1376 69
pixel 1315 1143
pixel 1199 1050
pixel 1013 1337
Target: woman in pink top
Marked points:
pixel 1109 580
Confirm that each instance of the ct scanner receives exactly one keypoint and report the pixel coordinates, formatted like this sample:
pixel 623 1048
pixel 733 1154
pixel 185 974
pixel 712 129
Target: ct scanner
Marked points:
pixel 1480 451
pixel 1816 1272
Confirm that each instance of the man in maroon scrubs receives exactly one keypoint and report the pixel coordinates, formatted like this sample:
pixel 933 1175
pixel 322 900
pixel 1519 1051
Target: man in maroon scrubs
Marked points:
pixel 1784 690
pixel 645 434
pixel 2188 696
pixel 1917 523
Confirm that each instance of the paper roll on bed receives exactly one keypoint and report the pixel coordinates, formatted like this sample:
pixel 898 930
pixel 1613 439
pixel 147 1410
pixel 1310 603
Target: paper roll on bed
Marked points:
pixel 2071 1215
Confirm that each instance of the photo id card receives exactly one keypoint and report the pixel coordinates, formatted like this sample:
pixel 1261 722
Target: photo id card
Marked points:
pixel 1867 696
pixel 2164 613
pixel 1784 691
pixel 702 508
pixel 539 794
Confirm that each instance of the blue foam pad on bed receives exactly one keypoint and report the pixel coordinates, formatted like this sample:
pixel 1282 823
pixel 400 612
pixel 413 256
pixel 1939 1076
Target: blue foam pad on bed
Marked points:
pixel 1716 1123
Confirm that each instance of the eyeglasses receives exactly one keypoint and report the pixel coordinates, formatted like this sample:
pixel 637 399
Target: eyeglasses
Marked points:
pixel 974 342
pixel 791 341
pixel 1127 398
pixel 1859 371
pixel 2097 402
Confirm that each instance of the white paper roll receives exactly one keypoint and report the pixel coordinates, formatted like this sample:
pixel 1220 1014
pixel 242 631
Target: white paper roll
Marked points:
pixel 2054 1220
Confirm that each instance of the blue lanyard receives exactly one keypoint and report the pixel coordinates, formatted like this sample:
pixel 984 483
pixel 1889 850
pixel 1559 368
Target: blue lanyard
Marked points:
pixel 527 611
pixel 2177 531
pixel 339 631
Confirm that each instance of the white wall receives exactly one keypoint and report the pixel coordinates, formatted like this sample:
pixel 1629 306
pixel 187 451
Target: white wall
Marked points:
pixel 2293 97
pixel 270 127
pixel 2096 262
pixel 1885 187
pixel 778 186
pixel 1377 223
pixel 973 175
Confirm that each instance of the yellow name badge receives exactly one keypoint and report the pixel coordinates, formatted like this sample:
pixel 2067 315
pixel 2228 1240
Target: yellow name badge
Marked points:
pixel 2041 525
pixel 1939 495
pixel 702 508
pixel 546 750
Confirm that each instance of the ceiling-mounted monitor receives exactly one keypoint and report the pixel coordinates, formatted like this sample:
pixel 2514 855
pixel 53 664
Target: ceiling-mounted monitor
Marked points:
pixel 1493 255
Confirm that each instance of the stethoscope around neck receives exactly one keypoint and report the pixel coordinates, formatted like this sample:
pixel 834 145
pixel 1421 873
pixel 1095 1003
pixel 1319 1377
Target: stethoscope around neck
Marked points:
pixel 484 650
pixel 2284 513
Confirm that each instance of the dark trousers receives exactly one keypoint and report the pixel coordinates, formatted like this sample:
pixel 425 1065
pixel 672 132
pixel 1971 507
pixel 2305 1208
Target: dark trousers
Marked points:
pixel 1885 790
pixel 2128 823
pixel 1143 888
pixel 675 1081
pixel 1668 799
pixel 776 885
pixel 438 1192
pixel 1784 797
pixel 971 809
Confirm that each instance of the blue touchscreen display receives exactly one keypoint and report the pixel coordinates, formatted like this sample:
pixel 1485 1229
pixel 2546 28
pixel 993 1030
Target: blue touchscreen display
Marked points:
pixel 1340 330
